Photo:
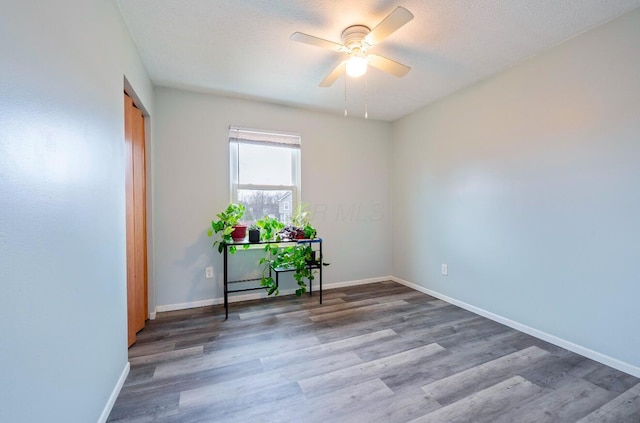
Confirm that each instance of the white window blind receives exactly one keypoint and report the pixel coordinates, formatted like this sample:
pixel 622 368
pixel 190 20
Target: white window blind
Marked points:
pixel 263 137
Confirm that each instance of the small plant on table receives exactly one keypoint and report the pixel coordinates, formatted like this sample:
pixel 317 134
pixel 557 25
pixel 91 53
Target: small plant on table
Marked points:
pixel 225 225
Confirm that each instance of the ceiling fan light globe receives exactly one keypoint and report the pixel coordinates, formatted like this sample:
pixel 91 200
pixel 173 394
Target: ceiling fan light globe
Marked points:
pixel 356 66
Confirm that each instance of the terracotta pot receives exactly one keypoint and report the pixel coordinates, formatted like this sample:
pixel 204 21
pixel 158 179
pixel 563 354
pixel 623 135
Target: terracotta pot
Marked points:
pixel 239 232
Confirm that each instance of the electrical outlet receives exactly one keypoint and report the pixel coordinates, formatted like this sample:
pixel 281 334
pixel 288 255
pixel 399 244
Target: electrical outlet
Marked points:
pixel 445 269
pixel 208 272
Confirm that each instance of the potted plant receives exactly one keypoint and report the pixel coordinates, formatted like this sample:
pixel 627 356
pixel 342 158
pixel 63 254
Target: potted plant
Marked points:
pixel 294 257
pixel 300 227
pixel 227 226
pixel 239 232
pixel 301 216
pixel 301 219
pixel 270 226
pixel 300 258
pixel 254 233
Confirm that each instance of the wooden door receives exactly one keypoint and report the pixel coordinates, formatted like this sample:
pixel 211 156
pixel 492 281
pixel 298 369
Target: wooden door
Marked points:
pixel 136 209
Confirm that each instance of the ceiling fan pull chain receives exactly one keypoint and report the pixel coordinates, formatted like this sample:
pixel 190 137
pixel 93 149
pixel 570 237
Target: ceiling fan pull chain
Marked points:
pixel 345 96
pixel 366 96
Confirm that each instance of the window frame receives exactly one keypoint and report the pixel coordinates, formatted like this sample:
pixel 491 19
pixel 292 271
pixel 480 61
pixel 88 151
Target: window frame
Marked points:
pixel 274 139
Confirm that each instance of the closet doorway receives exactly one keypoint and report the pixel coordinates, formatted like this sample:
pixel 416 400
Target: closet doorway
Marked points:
pixel 136 211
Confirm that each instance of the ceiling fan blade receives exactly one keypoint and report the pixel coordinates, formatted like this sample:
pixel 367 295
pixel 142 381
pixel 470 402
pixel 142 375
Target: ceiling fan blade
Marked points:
pixel 315 41
pixel 388 65
pixel 334 74
pixel 389 25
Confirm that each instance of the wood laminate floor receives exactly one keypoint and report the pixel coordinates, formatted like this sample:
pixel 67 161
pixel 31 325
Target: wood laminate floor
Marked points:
pixel 372 353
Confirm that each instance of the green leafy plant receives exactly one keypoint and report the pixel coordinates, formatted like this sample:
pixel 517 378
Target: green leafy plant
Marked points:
pixel 300 227
pixel 296 257
pixel 301 216
pixel 223 226
pixel 299 258
pixel 272 251
pixel 309 231
pixel 269 226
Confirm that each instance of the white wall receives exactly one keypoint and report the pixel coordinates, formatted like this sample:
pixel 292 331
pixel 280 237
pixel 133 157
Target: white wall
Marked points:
pixel 345 166
pixel 527 186
pixel 63 331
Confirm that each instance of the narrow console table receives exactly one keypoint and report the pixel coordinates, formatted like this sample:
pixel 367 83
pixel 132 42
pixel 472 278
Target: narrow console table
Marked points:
pixel 317 264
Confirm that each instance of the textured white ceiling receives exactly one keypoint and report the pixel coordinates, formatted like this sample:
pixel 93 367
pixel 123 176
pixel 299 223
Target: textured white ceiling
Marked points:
pixel 241 47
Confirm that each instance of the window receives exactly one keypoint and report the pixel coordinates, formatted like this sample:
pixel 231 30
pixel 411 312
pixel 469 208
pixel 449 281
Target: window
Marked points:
pixel 265 172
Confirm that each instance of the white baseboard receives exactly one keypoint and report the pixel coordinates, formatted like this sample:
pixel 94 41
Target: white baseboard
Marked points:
pixel 356 282
pixel 152 315
pixel 182 306
pixel 217 301
pixel 114 394
pixel 261 294
pixel 578 349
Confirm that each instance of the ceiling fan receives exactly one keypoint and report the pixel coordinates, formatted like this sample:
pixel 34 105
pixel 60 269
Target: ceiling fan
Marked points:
pixel 356 42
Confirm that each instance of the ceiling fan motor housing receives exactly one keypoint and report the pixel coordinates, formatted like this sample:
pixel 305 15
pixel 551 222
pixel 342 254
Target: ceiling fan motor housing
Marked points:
pixel 353 38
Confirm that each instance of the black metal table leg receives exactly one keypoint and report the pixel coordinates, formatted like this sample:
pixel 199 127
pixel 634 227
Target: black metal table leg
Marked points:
pixel 310 282
pixel 321 259
pixel 226 294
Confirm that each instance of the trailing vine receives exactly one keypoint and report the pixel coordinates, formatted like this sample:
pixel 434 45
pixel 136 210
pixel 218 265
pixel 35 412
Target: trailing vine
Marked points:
pixel 295 257
pixel 269 226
